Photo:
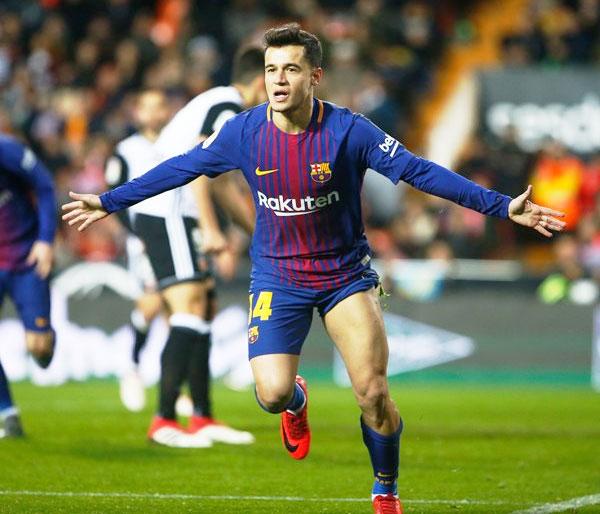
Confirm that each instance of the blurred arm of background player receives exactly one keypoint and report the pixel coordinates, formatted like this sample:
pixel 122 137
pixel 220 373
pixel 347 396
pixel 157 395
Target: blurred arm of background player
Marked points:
pixel 234 198
pixel 233 195
pixel 231 198
pixel 40 180
pixel 213 239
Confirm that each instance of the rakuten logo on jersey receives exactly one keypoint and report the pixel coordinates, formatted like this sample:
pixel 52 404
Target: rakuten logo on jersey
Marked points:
pixel 282 206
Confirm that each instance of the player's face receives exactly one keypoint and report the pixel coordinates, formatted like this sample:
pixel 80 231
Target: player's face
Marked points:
pixel 289 78
pixel 152 111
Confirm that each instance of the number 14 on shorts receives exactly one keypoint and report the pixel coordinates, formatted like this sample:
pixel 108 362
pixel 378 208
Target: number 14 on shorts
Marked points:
pixel 262 308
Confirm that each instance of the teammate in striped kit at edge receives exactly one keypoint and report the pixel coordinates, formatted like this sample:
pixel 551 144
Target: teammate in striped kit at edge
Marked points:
pixel 305 161
pixel 27 230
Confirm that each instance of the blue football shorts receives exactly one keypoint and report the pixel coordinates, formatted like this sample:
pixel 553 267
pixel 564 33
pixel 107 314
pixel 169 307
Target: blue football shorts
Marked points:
pixel 280 317
pixel 31 296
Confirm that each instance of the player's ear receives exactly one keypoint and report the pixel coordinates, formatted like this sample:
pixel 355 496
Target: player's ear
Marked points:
pixel 317 75
pixel 259 89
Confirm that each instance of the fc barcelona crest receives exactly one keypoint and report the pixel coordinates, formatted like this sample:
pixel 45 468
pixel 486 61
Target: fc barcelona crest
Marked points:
pixel 320 172
pixel 252 334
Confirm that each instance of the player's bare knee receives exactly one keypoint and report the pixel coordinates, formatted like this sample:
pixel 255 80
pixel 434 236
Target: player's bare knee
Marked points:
pixel 273 399
pixel 372 394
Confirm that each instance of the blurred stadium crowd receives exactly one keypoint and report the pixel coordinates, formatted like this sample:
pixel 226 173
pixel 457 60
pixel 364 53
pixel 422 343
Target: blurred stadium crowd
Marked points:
pixel 555 33
pixel 69 70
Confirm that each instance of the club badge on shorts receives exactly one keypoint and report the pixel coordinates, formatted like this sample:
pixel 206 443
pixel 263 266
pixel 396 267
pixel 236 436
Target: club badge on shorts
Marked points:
pixel 252 334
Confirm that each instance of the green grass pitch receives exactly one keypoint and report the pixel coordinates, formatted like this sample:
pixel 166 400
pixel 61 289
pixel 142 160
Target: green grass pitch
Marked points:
pixel 475 449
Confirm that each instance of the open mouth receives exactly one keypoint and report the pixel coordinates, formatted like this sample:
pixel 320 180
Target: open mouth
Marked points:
pixel 281 96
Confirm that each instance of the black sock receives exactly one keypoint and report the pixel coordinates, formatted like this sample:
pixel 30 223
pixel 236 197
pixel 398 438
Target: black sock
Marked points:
pixel 140 341
pixel 140 328
pixel 175 364
pixel 199 376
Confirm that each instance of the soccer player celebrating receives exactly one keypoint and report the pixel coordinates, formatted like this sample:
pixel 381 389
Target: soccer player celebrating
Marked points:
pixel 27 228
pixel 305 161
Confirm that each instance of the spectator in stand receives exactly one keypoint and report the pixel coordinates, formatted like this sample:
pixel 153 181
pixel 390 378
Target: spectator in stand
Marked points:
pixel 555 33
pixel 590 185
pixel 556 178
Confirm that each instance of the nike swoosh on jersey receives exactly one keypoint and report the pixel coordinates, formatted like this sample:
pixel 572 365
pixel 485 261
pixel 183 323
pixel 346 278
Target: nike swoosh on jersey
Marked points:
pixel 260 172
pixel 290 447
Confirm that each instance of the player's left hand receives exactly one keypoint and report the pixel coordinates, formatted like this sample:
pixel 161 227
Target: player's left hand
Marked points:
pixel 41 256
pixel 543 219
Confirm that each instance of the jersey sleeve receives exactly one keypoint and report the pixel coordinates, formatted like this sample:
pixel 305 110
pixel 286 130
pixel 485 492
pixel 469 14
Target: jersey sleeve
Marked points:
pixel 216 155
pixel 387 156
pixel 21 162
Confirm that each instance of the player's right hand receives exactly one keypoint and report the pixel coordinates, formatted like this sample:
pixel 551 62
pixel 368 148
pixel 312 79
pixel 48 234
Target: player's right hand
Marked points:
pixel 40 256
pixel 85 210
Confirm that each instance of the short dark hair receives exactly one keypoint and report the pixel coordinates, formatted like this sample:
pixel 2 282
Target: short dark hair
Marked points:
pixel 248 63
pixel 292 34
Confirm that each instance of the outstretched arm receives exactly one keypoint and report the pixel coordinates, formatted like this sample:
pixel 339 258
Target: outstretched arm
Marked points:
pixel 524 212
pixel 214 156
pixel 387 156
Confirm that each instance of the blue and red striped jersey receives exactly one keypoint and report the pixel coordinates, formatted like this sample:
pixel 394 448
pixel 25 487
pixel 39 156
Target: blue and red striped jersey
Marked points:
pixel 27 204
pixel 306 188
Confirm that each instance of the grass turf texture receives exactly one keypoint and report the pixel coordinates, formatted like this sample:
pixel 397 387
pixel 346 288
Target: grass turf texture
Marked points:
pixel 505 448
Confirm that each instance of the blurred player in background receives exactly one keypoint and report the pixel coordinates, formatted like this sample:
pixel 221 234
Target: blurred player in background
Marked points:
pixel 27 229
pixel 168 227
pixel 191 298
pixel 132 156
pixel 305 161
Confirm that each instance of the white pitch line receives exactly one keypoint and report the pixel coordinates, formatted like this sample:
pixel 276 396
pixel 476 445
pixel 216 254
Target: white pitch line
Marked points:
pixel 163 496
pixel 547 508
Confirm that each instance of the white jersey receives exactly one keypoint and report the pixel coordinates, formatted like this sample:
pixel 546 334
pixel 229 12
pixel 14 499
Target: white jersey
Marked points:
pixel 200 117
pixel 135 155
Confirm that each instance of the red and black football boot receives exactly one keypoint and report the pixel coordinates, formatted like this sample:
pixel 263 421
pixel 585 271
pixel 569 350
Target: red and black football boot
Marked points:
pixel 386 504
pixel 295 432
pixel 170 433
